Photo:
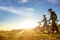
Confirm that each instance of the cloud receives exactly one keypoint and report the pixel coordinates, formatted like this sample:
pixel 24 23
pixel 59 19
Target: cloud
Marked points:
pixel 22 11
pixel 23 1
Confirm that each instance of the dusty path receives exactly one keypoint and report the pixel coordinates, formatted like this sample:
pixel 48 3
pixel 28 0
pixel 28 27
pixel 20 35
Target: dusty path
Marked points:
pixel 32 35
pixel 27 34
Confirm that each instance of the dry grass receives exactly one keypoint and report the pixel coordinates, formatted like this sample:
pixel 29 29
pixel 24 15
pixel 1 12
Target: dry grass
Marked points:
pixel 27 34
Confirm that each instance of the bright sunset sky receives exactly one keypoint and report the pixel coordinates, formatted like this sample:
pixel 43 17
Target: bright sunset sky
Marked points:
pixel 17 14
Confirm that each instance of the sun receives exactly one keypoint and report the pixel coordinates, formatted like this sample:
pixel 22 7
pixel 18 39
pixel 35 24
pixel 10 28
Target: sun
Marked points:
pixel 28 24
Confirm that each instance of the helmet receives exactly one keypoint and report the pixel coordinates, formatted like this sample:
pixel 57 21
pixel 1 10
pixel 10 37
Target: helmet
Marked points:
pixel 49 9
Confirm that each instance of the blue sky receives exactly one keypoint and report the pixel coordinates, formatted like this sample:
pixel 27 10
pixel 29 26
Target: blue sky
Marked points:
pixel 16 11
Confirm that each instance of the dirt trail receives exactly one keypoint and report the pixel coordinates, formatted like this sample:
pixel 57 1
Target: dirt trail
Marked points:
pixel 32 35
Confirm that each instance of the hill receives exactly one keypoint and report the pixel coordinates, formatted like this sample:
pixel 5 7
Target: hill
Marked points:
pixel 27 34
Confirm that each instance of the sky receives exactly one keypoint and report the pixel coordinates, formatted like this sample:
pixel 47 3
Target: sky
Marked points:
pixel 14 13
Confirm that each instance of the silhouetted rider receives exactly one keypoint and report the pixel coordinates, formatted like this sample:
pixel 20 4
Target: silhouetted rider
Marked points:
pixel 45 21
pixel 53 18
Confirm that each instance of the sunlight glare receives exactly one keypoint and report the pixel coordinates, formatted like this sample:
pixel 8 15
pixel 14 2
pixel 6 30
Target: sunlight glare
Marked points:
pixel 28 24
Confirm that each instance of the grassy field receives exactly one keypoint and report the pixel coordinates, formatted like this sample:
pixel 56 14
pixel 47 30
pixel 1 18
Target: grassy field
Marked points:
pixel 27 34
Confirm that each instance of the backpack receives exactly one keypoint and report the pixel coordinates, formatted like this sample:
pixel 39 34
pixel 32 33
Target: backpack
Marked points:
pixel 54 16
